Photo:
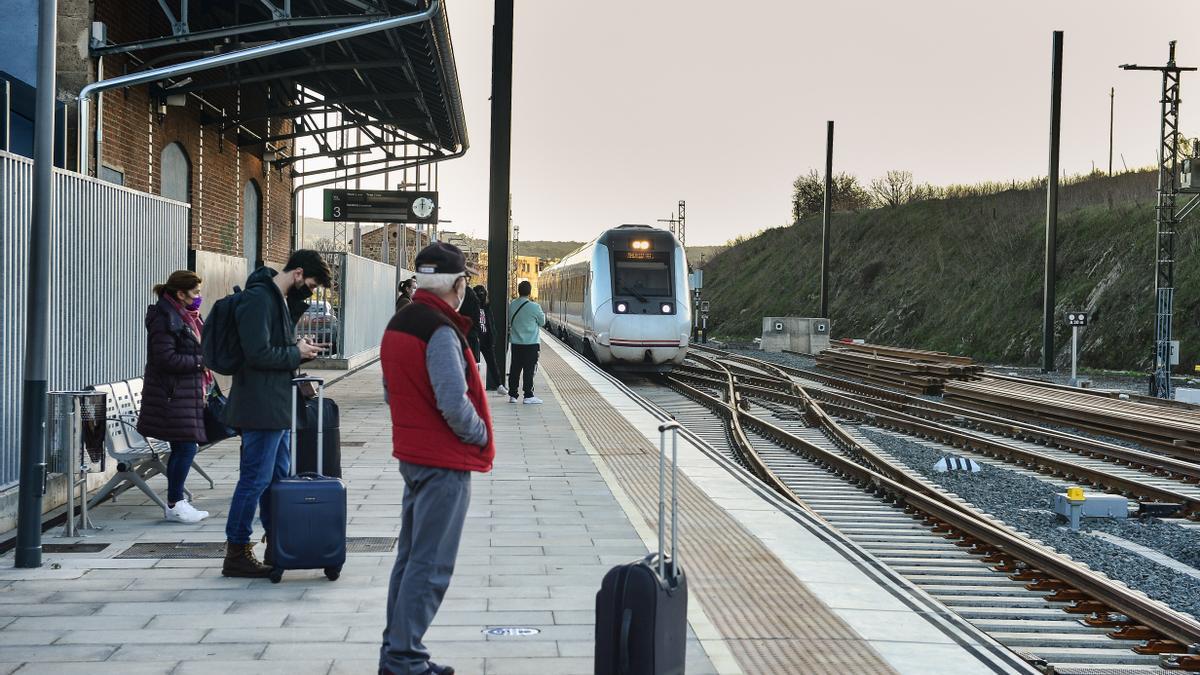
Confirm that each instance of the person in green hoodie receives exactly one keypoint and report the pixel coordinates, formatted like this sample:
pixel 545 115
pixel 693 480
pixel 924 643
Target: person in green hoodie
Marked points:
pixel 525 318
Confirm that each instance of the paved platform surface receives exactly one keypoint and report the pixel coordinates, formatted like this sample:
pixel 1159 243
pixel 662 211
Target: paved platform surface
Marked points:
pixel 542 529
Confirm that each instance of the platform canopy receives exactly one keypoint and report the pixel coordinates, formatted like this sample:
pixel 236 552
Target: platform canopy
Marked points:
pixel 399 86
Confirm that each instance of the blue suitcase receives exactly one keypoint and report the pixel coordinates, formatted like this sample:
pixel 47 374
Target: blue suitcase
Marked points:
pixel 641 608
pixel 308 511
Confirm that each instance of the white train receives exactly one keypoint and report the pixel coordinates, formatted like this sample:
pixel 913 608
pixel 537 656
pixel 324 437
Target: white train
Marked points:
pixel 622 299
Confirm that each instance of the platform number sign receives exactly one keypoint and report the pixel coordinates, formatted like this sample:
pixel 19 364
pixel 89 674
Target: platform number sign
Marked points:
pixel 1077 318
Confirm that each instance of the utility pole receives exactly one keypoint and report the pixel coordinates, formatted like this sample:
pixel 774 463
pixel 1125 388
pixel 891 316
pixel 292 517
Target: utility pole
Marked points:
pixel 499 197
pixel 1056 55
pixel 682 222
pixel 1112 93
pixel 37 288
pixel 1166 219
pixel 671 222
pixel 827 211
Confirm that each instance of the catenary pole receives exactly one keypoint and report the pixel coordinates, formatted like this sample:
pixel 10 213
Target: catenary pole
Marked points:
pixel 501 155
pixel 827 212
pixel 37 287
pixel 1052 204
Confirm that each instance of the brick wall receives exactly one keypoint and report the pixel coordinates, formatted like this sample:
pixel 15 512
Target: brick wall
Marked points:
pixel 135 135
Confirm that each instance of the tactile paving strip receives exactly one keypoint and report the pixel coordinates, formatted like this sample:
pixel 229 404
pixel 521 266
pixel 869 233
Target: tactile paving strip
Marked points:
pixel 216 549
pixel 770 621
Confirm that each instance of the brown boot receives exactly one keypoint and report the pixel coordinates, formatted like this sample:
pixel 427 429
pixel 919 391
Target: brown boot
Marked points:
pixel 240 562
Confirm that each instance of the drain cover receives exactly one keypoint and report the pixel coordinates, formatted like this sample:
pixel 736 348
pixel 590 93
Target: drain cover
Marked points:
pixel 175 549
pixel 353 444
pixel 216 549
pixel 73 548
pixel 370 544
pixel 511 631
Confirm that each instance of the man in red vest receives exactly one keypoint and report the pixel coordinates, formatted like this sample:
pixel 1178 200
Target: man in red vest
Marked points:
pixel 441 432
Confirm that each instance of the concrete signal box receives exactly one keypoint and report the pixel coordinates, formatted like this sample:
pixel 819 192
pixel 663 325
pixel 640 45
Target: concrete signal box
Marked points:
pixel 798 334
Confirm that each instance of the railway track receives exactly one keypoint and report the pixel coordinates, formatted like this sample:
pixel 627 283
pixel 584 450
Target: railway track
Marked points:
pixel 1164 485
pixel 1028 597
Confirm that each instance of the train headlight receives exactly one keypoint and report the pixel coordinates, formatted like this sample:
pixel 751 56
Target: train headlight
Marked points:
pixel 641 245
pixel 622 308
pixel 666 308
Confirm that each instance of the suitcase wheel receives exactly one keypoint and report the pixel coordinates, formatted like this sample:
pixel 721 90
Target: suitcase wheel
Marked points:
pixel 332 573
pixel 276 575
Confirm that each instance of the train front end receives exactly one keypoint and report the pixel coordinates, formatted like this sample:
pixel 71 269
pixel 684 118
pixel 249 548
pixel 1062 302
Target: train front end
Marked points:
pixel 649 312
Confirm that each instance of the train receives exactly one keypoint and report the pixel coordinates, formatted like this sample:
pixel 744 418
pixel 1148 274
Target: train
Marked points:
pixel 622 300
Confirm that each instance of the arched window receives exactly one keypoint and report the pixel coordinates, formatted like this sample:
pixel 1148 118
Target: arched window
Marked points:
pixel 176 168
pixel 251 224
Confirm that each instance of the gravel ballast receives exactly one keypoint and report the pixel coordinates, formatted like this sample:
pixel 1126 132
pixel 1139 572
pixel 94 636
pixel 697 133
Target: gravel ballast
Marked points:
pixel 1025 504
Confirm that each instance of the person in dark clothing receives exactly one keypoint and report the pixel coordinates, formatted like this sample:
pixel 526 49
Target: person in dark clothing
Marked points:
pixel 176 384
pixel 470 309
pixel 260 401
pixel 487 341
pixel 407 288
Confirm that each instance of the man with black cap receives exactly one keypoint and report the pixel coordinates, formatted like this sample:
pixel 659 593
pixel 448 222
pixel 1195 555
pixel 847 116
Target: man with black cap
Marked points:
pixel 441 432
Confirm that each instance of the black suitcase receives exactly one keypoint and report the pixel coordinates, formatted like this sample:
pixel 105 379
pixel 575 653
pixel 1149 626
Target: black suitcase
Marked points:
pixel 324 412
pixel 308 512
pixel 641 609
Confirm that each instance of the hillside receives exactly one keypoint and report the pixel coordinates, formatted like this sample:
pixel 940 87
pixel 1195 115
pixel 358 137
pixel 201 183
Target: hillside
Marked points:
pixel 965 275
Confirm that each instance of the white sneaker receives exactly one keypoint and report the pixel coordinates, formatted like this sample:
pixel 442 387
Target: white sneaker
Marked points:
pixel 512 399
pixel 185 513
pixel 532 400
pixel 502 390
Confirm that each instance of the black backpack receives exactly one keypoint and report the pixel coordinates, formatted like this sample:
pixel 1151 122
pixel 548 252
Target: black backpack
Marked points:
pixel 221 344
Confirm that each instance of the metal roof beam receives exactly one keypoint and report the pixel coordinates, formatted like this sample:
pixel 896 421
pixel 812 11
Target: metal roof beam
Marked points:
pixel 229 31
pixel 282 74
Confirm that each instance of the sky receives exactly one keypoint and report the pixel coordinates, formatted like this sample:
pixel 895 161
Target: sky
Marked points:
pixel 622 109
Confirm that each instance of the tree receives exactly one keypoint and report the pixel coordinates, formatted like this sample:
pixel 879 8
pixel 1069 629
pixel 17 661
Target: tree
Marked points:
pixel 894 189
pixel 808 194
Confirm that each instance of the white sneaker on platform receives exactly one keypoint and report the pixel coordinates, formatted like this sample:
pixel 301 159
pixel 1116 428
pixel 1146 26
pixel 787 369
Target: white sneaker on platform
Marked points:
pixel 532 400
pixel 185 513
pixel 512 399
pixel 502 390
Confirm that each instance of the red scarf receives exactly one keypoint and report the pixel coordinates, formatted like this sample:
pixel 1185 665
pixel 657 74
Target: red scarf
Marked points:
pixel 191 317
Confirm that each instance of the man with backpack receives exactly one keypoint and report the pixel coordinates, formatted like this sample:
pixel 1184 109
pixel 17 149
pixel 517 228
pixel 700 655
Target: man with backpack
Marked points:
pixel 525 317
pixel 263 359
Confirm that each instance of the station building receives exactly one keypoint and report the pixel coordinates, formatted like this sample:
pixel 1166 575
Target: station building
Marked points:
pixel 200 168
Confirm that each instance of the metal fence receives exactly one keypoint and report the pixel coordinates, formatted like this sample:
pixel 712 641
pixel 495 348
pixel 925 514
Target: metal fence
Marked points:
pixel 351 316
pixel 109 246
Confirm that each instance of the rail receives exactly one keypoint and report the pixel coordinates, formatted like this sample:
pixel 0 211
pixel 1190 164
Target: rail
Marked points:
pixel 1089 592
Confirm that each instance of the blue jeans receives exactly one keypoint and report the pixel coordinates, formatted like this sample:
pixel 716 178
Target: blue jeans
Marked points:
pixel 266 457
pixel 431 523
pixel 179 463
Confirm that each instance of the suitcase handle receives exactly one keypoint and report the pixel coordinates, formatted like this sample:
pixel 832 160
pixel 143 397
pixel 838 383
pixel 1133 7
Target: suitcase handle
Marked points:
pixel 674 427
pixel 320 382
pixel 623 644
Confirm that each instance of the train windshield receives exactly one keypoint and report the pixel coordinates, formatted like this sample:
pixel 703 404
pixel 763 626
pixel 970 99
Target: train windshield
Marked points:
pixel 645 278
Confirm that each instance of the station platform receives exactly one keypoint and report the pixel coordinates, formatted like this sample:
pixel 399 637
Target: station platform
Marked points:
pixel 573 492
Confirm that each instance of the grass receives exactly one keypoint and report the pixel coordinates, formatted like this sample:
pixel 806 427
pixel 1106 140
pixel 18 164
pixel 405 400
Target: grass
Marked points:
pixel 964 275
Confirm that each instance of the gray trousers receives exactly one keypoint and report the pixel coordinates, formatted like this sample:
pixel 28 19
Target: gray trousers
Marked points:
pixel 434 510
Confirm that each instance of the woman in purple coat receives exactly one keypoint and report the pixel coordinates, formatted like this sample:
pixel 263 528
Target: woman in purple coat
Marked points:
pixel 176 384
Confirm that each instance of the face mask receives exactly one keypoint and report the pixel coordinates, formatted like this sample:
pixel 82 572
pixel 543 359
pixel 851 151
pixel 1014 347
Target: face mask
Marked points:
pixel 195 303
pixel 461 296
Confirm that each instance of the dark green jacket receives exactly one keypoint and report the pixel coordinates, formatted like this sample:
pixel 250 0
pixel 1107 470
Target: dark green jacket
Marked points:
pixel 261 395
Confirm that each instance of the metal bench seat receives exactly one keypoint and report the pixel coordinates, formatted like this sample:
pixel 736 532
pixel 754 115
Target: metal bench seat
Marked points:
pixel 138 457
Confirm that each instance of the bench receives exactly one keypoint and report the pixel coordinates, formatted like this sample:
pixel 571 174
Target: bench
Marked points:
pixel 138 457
